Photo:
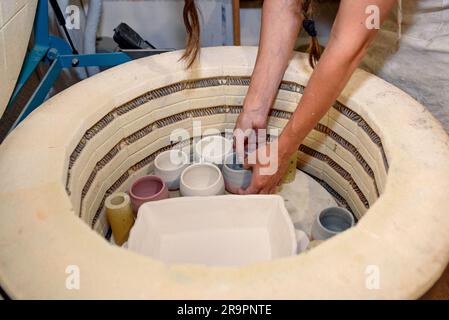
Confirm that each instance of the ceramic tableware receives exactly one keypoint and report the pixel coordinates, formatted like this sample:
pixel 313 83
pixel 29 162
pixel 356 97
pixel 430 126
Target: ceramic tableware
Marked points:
pixel 169 165
pixel 331 221
pixel 147 188
pixel 235 176
pixel 120 216
pixel 202 179
pixel 302 240
pixel 212 149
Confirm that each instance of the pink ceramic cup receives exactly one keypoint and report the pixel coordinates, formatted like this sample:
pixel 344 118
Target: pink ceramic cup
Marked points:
pixel 145 189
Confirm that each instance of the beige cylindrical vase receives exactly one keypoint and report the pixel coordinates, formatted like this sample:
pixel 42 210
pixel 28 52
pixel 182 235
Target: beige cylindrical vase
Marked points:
pixel 120 216
pixel 290 174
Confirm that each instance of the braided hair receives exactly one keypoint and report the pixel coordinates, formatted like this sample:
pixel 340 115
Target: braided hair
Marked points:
pixel 308 25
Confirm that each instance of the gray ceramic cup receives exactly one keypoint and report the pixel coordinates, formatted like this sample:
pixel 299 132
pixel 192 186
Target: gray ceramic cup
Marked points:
pixel 330 222
pixel 235 176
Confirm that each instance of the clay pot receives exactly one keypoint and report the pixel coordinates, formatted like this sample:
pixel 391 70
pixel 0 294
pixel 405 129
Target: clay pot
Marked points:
pixel 120 216
pixel 302 241
pixel 331 221
pixel 202 179
pixel 145 189
pixel 169 165
pixel 235 176
pixel 212 149
pixel 290 174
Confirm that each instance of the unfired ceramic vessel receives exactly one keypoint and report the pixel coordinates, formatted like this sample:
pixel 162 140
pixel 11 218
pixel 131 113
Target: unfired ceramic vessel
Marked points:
pixel 120 216
pixel 302 241
pixel 234 175
pixel 331 222
pixel 212 149
pixel 210 231
pixel 145 189
pixel 202 179
pixel 169 165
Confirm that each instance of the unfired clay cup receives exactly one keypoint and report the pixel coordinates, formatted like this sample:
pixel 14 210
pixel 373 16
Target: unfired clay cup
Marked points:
pixel 202 179
pixel 302 240
pixel 213 149
pixel 169 165
pixel 235 176
pixel 330 222
pixel 147 188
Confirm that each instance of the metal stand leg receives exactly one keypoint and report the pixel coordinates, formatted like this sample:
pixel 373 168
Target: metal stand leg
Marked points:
pixel 32 60
pixel 39 51
pixel 59 55
pixel 41 91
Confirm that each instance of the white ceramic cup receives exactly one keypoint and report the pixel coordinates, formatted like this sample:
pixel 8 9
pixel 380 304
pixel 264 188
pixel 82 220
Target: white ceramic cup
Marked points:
pixel 169 165
pixel 330 222
pixel 302 241
pixel 202 179
pixel 212 149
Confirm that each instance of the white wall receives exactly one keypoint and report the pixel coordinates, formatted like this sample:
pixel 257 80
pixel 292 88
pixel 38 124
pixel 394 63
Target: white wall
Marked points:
pixel 160 21
pixel 250 20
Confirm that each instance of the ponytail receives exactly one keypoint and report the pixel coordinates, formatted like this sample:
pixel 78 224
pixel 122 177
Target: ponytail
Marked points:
pixel 308 24
pixel 192 24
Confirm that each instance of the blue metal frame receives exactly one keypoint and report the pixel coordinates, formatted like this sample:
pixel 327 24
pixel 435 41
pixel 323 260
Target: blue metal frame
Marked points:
pixel 57 53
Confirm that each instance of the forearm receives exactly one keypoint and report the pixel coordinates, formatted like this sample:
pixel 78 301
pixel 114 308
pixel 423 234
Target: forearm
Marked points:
pixel 346 48
pixel 328 80
pixel 280 26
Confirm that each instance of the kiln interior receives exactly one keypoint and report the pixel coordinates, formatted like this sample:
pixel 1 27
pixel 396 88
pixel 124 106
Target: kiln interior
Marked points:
pixel 343 153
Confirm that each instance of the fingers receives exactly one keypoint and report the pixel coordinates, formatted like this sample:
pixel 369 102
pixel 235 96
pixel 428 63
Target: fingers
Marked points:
pixel 271 189
pixel 252 189
pixel 250 161
pixel 255 186
pixel 261 186
pixel 239 142
pixel 256 190
pixel 246 165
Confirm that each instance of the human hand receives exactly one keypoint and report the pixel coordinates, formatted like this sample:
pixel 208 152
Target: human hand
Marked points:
pixel 251 119
pixel 269 164
pixel 248 123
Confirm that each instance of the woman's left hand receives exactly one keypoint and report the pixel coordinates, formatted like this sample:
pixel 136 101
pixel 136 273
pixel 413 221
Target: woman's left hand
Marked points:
pixel 269 164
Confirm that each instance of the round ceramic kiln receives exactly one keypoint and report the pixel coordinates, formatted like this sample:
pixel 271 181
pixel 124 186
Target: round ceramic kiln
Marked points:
pixel 377 151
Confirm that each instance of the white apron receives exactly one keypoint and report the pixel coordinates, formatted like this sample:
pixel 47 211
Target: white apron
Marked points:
pixel 420 66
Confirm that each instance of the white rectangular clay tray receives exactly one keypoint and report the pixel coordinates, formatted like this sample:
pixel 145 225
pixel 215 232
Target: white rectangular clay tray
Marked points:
pixel 223 230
